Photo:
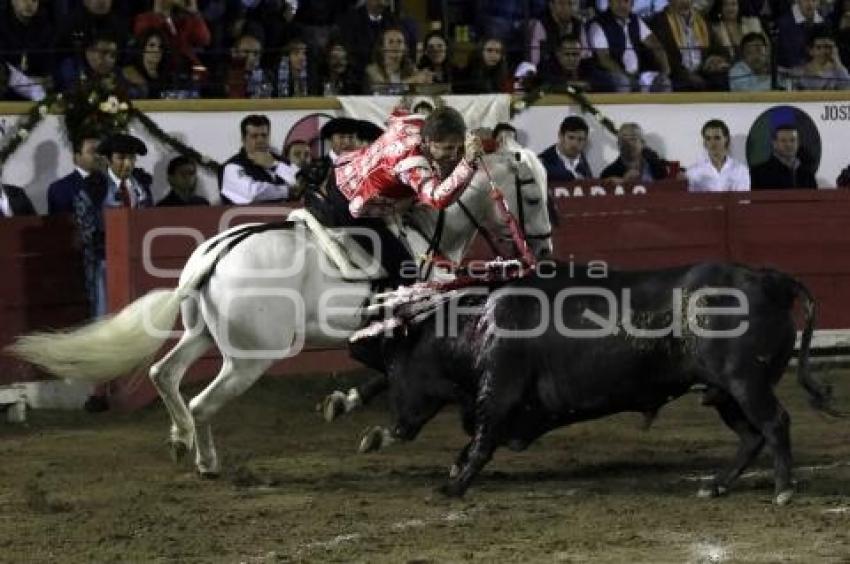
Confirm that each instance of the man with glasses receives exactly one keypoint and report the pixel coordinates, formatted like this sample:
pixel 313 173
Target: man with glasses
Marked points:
pixel 637 162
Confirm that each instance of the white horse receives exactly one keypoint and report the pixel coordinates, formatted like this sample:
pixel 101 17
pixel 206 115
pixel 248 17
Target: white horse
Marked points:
pixel 263 294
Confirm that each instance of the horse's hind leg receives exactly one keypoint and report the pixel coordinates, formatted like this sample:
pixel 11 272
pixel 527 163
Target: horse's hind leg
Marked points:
pixel 167 374
pixel 235 377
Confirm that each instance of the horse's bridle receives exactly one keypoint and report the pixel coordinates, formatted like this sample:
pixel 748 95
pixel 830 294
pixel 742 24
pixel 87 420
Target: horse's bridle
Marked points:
pixel 488 237
pixel 519 183
pixel 434 241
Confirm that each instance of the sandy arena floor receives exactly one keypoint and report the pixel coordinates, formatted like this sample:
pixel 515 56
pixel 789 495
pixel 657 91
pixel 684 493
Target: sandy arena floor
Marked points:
pixel 76 487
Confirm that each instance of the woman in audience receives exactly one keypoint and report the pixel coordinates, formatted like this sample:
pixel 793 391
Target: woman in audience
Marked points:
pixel 729 26
pixel 823 71
pixel 487 70
pixel 336 73
pixel 437 58
pixel 295 76
pixel 145 74
pixel 391 70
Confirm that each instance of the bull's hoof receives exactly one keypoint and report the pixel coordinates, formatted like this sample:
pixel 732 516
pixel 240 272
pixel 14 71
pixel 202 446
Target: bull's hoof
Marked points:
pixel 333 406
pixel 454 471
pixel 178 450
pixel 372 440
pixel 711 396
pixel 714 490
pixel 452 489
pixel 648 419
pixel 517 445
pixel 783 497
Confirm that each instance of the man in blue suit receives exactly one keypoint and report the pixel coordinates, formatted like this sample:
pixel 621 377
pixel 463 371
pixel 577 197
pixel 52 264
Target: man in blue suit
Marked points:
pixel 564 161
pixel 121 186
pixel 60 194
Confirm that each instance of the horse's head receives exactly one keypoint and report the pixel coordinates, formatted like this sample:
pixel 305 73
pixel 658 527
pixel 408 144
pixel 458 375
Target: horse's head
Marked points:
pixel 521 177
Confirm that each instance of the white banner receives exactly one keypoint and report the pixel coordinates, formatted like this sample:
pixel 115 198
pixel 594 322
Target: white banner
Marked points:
pixel 671 129
pixel 485 110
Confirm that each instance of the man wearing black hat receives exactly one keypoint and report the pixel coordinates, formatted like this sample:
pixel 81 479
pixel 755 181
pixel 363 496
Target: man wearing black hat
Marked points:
pixel 255 174
pixel 126 186
pixel 367 132
pixel 115 188
pixel 121 186
pixel 321 197
pixel 341 133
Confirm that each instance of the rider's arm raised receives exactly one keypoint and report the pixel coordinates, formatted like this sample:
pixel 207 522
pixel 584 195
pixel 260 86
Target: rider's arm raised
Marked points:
pixel 417 173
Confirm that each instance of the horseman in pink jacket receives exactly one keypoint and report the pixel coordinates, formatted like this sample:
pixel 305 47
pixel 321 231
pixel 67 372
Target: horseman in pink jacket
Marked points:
pixel 425 160
pixel 428 160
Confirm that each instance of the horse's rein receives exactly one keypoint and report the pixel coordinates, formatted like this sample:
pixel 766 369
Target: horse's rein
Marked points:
pixel 519 239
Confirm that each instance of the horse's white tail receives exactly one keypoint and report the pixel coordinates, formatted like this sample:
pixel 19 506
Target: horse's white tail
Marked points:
pixel 118 344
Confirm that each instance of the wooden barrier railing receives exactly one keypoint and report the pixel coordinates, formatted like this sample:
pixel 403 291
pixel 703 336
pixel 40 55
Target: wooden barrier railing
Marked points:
pixel 801 232
pixel 41 283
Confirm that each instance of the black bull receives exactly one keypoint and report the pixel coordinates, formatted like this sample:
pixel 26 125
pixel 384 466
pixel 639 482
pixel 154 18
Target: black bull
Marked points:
pixel 513 389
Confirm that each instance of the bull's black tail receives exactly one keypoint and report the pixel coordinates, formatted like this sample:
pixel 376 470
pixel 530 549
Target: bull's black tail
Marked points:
pixel 820 393
pixel 782 286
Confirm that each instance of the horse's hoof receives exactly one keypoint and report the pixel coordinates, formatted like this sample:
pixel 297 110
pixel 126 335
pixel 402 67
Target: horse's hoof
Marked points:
pixel 178 450
pixel 783 497
pixel 333 406
pixel 707 492
pixel 454 471
pixel 372 440
pixel 208 474
pixel 451 489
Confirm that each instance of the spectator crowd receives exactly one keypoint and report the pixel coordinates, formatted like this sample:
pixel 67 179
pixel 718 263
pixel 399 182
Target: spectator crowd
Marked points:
pixel 290 48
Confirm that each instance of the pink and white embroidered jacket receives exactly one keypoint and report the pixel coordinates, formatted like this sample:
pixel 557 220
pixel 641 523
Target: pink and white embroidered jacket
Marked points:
pixel 394 169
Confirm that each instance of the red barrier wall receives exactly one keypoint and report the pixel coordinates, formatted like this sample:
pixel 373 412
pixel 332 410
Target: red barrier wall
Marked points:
pixel 41 283
pixel 801 232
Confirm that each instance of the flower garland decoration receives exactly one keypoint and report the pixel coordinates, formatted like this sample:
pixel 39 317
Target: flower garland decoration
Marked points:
pixel 97 108
pixel 24 126
pixel 201 160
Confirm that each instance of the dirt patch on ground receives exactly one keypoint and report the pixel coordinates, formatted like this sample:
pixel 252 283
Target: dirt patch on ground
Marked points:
pixel 80 488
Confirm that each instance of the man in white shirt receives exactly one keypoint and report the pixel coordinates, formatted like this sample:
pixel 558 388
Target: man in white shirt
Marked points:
pixel 255 175
pixel 717 172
